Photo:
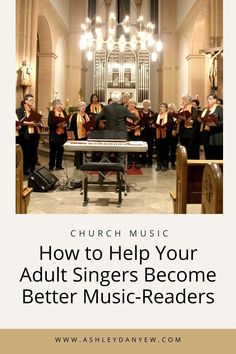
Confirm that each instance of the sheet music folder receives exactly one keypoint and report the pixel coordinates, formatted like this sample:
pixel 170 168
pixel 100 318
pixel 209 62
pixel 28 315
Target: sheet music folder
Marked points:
pixel 89 124
pixel 33 117
pixel 108 135
pixel 210 118
pixel 61 119
pixel 183 114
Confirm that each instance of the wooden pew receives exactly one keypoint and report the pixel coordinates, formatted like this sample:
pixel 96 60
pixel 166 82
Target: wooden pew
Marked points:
pixel 22 191
pixel 212 189
pixel 188 180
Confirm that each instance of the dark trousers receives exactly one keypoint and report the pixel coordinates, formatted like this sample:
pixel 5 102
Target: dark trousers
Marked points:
pixel 147 135
pixel 172 141
pixel 213 152
pixel 162 152
pixel 30 153
pixel 37 158
pixel 133 156
pixel 188 144
pixel 56 154
pixel 18 140
pixel 78 159
pixel 196 147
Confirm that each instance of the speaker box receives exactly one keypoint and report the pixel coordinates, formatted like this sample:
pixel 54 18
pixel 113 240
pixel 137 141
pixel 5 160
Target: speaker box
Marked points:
pixel 42 180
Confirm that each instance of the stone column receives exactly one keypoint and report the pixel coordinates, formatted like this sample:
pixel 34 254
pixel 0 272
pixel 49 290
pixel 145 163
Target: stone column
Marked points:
pixel 216 11
pixel 219 36
pixel 220 76
pixel 33 44
pixel 26 42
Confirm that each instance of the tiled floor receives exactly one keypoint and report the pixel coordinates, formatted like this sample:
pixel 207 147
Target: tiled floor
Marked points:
pixel 148 193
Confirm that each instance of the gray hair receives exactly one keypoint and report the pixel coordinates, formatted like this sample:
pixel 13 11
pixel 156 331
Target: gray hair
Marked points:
pixel 81 104
pixel 172 105
pixel 148 102
pixel 56 102
pixel 116 96
pixel 188 97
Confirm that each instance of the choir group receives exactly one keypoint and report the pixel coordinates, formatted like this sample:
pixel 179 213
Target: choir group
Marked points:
pixel 163 130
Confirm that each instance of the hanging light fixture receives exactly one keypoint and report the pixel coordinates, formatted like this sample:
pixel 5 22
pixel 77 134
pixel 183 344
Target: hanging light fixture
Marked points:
pixel 159 45
pixel 136 36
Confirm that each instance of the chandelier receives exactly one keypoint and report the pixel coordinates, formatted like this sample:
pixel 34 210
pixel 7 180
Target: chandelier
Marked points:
pixel 136 36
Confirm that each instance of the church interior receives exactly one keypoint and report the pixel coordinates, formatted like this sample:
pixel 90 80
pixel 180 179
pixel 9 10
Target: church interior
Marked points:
pixel 81 66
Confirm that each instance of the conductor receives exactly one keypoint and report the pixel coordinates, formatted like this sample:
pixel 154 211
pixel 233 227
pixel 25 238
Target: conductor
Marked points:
pixel 115 114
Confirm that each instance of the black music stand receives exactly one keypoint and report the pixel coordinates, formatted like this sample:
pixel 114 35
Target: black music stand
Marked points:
pixel 105 165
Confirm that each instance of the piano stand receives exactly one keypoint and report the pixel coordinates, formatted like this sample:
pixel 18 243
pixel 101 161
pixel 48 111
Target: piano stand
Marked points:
pixel 103 167
pixel 107 146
